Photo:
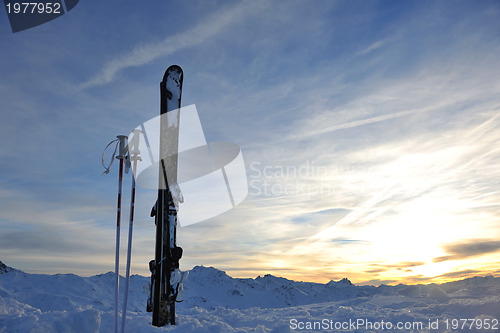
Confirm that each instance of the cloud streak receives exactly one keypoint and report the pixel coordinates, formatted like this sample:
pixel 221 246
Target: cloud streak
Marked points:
pixel 143 54
pixel 468 249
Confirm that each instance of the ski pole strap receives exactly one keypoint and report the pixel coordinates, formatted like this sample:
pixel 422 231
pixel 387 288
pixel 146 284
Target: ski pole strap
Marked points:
pixel 106 171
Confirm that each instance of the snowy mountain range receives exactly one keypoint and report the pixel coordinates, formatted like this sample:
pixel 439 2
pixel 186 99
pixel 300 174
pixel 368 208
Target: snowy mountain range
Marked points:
pixel 216 302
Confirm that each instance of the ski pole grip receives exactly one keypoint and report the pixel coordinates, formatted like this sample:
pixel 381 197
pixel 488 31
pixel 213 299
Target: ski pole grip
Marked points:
pixel 122 149
pixel 134 142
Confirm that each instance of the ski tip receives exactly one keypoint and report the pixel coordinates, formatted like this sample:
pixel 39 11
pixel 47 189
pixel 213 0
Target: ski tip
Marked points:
pixel 173 69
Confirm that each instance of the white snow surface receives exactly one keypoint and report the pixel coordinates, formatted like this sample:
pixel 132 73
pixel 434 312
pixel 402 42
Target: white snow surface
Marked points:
pixel 216 302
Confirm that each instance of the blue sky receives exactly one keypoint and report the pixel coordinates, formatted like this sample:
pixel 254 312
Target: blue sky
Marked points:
pixel 369 131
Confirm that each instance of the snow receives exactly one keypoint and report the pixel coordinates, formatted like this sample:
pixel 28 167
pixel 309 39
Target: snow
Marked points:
pixel 216 302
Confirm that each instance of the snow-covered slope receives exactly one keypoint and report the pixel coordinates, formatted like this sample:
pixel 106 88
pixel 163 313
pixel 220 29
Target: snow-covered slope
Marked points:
pixel 215 302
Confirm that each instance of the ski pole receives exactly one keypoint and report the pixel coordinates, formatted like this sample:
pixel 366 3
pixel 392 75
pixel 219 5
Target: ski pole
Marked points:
pixel 134 156
pixel 121 157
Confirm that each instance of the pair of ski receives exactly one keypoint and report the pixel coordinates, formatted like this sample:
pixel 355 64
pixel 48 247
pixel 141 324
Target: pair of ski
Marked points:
pixel 166 278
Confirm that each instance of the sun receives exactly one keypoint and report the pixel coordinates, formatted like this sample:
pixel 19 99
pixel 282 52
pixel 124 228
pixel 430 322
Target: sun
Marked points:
pixel 417 233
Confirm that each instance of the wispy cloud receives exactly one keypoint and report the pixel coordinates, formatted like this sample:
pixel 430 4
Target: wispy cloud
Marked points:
pixel 376 45
pixel 356 123
pixel 462 273
pixel 36 231
pixel 422 136
pixel 205 30
pixel 469 248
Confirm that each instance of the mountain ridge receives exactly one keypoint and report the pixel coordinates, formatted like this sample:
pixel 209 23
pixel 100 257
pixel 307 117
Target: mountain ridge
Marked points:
pixel 216 302
pixel 209 287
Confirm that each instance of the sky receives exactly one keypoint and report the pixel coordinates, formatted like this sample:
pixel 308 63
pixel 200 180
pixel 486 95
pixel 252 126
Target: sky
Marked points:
pixel 369 132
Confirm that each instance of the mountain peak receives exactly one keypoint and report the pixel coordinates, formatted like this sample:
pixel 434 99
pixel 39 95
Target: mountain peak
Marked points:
pixel 344 282
pixel 4 268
